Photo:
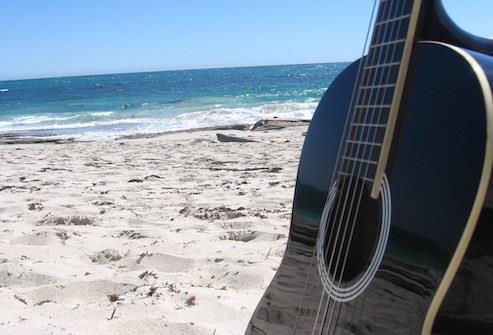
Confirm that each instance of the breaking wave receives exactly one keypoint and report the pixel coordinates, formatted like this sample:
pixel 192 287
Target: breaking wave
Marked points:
pixel 107 125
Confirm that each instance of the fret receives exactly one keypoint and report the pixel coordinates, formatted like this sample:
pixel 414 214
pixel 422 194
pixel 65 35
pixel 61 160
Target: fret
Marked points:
pixel 375 144
pixel 391 52
pixel 371 106
pixel 370 119
pixel 371 96
pixel 365 178
pixel 379 45
pixel 375 91
pixel 377 66
pixel 383 75
pixel 402 17
pixel 351 167
pixel 377 86
pixel 367 156
pixel 369 125
pixel 359 160
pixel 391 32
pixel 369 134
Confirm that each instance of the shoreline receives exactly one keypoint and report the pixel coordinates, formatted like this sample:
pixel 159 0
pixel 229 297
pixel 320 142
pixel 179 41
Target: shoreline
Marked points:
pixel 263 124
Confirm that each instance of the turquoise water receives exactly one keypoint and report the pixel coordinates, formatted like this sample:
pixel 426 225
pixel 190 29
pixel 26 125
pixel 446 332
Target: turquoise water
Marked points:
pixel 102 107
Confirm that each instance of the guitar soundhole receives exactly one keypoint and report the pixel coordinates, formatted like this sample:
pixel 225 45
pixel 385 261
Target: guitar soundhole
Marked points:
pixel 354 227
pixel 354 230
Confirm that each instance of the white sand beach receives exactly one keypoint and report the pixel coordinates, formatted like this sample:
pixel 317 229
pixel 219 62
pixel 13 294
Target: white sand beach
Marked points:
pixel 174 234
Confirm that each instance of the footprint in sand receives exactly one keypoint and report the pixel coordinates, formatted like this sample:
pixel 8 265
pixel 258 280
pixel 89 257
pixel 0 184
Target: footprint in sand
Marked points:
pixel 42 238
pixel 160 262
pixel 20 277
pixel 243 236
pixel 106 256
pixel 79 292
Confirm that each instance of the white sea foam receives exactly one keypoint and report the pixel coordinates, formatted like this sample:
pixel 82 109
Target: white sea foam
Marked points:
pixel 114 128
pixel 40 119
pixel 4 89
pixel 101 113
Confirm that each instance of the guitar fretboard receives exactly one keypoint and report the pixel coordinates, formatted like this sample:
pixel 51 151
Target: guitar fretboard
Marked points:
pixel 374 93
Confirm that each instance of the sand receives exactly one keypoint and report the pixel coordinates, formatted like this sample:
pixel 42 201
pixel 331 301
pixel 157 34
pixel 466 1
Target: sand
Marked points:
pixel 173 234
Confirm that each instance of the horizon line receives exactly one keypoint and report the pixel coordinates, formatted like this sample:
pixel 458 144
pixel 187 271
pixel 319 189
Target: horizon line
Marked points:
pixel 165 70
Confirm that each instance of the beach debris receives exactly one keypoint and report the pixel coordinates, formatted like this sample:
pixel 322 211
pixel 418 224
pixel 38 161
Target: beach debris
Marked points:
pixel 75 220
pixel 113 297
pixel 192 301
pixel 105 256
pixel 34 140
pixel 45 169
pixel 214 213
pixel 228 138
pixel 266 169
pixel 103 203
pixel 112 314
pixel 152 290
pixel 274 169
pixel 35 206
pixel 277 124
pixel 141 256
pixel 6 187
pixel 136 180
pixel 62 235
pixel 148 273
pixel 131 234
pixel 242 236
pixel 257 124
pixel 20 299
pixel 42 302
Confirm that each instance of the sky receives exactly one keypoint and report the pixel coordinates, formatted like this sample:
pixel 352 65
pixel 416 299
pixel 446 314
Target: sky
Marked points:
pixel 60 37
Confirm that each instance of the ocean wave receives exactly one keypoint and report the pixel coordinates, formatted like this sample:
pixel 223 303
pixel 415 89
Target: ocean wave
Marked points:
pixel 82 127
pixel 39 119
pixel 101 113
pixel 95 124
pixel 4 89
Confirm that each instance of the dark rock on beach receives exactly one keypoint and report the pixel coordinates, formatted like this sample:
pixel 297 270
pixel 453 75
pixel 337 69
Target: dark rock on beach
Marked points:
pixel 228 138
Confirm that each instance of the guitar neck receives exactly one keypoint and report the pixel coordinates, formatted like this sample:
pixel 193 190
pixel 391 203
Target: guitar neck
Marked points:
pixel 378 91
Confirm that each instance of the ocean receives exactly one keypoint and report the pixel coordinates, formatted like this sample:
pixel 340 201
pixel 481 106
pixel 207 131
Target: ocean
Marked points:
pixel 105 107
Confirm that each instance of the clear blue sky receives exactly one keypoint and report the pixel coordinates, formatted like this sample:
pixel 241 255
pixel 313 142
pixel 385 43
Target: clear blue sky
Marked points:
pixel 68 37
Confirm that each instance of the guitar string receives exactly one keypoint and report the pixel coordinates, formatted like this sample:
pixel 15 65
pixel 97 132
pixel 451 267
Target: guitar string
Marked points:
pixel 358 188
pixel 345 213
pixel 339 167
pixel 397 31
pixel 301 308
pixel 337 208
pixel 394 31
pixel 343 144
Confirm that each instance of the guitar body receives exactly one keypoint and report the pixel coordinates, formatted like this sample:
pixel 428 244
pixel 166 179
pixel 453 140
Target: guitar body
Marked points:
pixel 435 272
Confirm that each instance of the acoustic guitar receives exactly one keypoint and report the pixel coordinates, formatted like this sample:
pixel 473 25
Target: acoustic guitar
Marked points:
pixel 392 222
